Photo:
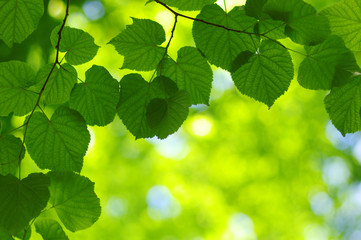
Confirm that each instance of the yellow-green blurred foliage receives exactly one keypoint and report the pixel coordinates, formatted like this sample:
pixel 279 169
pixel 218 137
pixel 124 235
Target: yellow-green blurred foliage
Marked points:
pixel 235 171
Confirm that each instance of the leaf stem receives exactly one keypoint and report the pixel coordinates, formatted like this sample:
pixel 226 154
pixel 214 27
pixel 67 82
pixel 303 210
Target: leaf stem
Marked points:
pixel 226 28
pixel 26 124
pixel 225 5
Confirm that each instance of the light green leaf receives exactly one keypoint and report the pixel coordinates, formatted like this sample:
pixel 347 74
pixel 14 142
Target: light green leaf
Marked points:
pixel 191 72
pixel 267 74
pixel 96 99
pixel 138 43
pixel 21 201
pixel 59 143
pixel 166 116
pixel 345 21
pixel 343 105
pixel 10 147
pixel 135 95
pixel 303 24
pixel 50 229
pixel 78 45
pixel 16 94
pixel 19 18
pixel 74 200
pixel 326 64
pixel 187 5
pixel 60 83
pixel 219 45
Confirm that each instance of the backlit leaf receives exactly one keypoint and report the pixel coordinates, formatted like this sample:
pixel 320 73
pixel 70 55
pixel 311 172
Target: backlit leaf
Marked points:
pixel 21 200
pixel 19 18
pixel 74 200
pixel 139 44
pixel 219 45
pixel 16 92
pixel 59 143
pixel 96 99
pixel 267 74
pixel 50 229
pixel 10 147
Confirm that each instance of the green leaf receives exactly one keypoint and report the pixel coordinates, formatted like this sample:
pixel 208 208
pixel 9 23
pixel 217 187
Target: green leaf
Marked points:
pixel 59 143
pixel 5 236
pixel 191 72
pixel 303 24
pixel 166 116
pixel 135 95
pixel 219 45
pixel 267 75
pixel 345 21
pixel 22 232
pixel 254 8
pixel 19 18
pixel 59 85
pixel 327 63
pixel 74 200
pixel 343 105
pixel 16 95
pixel 50 229
pixel 138 43
pixel 10 148
pixel 22 200
pixel 78 45
pixel 96 99
pixel 187 5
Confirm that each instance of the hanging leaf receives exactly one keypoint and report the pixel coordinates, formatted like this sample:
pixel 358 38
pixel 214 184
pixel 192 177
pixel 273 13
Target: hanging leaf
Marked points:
pixel 219 45
pixel 19 18
pixel 78 45
pixel 59 85
pixel 303 24
pixel 50 229
pixel 59 143
pixel 266 75
pixel 139 44
pixel 343 105
pixel 21 200
pixel 166 116
pixel 345 21
pixel 74 200
pixel 327 64
pixel 16 92
pixel 96 99
pixel 191 72
pixel 136 93
pixel 10 147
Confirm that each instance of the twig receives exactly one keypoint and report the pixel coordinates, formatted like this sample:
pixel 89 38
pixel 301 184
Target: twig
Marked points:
pixel 26 124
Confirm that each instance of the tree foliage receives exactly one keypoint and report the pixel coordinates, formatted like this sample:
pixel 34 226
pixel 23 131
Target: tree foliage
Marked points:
pixel 244 41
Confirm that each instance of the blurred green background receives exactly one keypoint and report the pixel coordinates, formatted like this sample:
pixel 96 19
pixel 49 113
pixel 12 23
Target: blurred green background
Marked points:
pixel 235 170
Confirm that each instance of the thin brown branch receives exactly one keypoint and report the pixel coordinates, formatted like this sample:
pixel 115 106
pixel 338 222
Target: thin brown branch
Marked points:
pixel 26 124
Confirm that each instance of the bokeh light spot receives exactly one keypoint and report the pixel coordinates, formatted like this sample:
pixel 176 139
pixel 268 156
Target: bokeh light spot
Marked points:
pixel 94 10
pixel 201 127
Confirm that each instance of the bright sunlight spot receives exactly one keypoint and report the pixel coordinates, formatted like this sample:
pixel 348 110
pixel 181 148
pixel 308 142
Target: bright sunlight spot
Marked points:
pixel 56 8
pixel 201 127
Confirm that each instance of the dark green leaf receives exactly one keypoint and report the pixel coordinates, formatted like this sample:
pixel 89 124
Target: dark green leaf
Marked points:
pixel 59 85
pixel 327 63
pixel 10 147
pixel 345 21
pixel 191 72
pixel 187 5
pixel 96 99
pixel 50 229
pixel 166 116
pixel 343 105
pixel 138 43
pixel 135 95
pixel 16 94
pixel 219 45
pixel 22 233
pixel 5 236
pixel 304 25
pixel 22 200
pixel 59 143
pixel 267 75
pixel 78 45
pixel 19 18
pixel 74 200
